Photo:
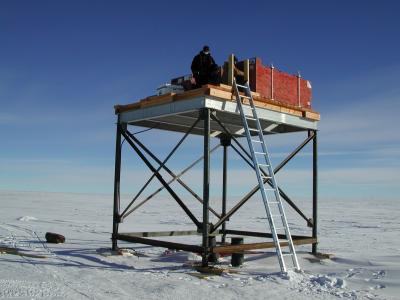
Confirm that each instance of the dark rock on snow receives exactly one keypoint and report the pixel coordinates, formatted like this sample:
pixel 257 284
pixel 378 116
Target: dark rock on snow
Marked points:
pixel 54 238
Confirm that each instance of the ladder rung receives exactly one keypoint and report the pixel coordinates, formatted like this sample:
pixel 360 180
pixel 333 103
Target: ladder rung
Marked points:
pixel 276 216
pixel 263 165
pixel 269 189
pixel 273 202
pixel 253 129
pixel 242 86
pixel 256 141
pixel 247 97
pixel 287 254
pixel 266 177
pixel 263 153
pixel 250 118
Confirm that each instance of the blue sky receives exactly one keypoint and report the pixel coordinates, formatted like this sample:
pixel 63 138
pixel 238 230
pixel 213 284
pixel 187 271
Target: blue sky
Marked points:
pixel 64 64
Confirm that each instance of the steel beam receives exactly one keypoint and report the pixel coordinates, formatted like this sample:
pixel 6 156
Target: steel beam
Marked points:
pixel 315 191
pixel 206 185
pixel 117 180
pixel 225 142
pixel 162 233
pixel 258 234
pixel 159 243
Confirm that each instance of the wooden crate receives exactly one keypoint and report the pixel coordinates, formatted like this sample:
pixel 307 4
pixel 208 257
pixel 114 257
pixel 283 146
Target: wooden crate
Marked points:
pixel 274 84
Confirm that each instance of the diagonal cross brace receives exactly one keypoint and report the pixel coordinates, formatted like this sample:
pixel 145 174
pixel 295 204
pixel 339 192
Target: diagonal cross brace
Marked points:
pixel 281 192
pixel 169 182
pixel 251 193
pixel 160 178
pixel 255 189
pixel 160 167
pixel 171 173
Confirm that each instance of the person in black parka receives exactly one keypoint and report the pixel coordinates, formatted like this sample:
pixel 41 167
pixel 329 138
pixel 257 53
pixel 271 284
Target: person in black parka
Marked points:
pixel 204 68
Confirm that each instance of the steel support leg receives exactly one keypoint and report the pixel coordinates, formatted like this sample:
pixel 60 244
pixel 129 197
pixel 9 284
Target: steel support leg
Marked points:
pixel 225 142
pixel 315 192
pixel 206 185
pixel 117 177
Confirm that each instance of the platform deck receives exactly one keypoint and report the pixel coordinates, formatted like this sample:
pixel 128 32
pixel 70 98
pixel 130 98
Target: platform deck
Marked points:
pixel 177 112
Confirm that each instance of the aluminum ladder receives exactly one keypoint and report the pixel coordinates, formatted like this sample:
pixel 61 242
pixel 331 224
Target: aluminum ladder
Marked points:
pixel 270 195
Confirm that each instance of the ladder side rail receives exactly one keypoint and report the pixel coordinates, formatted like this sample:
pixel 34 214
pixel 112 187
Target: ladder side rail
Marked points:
pixel 282 213
pixel 287 230
pixel 257 169
pixel 283 217
pixel 274 183
pixel 244 121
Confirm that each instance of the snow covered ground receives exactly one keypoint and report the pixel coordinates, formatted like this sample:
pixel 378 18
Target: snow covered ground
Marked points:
pixel 362 235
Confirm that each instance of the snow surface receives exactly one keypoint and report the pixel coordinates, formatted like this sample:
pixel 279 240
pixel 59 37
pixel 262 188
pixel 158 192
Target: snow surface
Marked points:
pixel 362 235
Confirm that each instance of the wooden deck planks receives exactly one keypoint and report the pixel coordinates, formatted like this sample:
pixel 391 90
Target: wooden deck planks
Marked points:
pixel 221 92
pixel 252 246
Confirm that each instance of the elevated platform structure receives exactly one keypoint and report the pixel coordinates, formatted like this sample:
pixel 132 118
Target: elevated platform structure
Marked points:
pixel 176 112
pixel 212 112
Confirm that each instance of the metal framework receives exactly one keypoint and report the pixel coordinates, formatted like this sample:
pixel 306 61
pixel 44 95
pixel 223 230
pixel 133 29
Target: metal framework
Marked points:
pixel 211 118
